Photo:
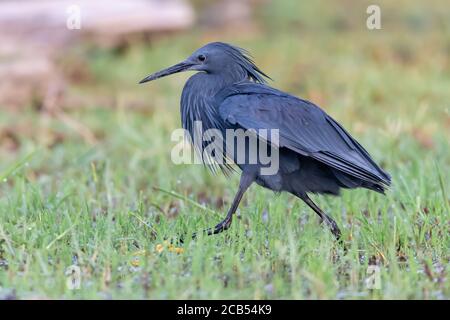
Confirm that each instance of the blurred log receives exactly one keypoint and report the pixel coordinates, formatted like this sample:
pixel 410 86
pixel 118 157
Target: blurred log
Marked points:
pixel 227 13
pixel 34 33
pixel 51 21
pixel 26 81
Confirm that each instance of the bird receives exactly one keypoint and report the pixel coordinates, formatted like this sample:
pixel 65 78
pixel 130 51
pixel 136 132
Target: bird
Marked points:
pixel 316 154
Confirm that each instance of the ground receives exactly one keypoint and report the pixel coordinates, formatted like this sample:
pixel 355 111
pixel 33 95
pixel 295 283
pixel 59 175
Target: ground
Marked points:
pixel 95 189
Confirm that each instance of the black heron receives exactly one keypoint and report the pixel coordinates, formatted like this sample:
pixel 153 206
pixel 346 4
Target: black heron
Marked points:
pixel 316 154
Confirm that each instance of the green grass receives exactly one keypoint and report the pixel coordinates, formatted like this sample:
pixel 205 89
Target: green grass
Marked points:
pixel 65 201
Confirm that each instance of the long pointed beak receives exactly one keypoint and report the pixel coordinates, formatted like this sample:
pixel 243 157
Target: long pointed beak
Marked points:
pixel 179 67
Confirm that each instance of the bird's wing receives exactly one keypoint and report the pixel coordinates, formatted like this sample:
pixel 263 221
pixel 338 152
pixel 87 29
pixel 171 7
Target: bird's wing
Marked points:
pixel 303 127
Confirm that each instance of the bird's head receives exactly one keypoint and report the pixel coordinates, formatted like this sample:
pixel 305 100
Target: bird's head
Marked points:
pixel 216 58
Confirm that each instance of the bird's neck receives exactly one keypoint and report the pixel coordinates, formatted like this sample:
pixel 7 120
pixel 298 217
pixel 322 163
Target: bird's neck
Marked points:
pixel 197 100
pixel 199 91
pixel 209 84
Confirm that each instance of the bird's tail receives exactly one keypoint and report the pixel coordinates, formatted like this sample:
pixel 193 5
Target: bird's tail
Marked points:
pixel 350 182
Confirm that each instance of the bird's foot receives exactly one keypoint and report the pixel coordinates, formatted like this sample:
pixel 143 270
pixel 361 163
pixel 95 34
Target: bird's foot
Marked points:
pixel 337 234
pixel 178 240
pixel 335 229
pixel 220 227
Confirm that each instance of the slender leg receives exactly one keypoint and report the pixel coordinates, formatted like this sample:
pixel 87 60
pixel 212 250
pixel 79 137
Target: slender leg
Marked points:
pixel 328 220
pixel 246 181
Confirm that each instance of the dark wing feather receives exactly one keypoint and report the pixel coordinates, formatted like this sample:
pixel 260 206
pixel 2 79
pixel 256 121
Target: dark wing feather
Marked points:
pixel 303 127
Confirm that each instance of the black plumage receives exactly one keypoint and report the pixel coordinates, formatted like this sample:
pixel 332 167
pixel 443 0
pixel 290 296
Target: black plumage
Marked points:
pixel 316 154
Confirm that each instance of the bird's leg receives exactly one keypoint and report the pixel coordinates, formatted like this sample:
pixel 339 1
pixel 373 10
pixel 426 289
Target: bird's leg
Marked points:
pixel 246 181
pixel 331 223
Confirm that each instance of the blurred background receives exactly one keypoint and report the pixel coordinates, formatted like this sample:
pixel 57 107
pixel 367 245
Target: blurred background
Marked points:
pixel 69 72
pixel 67 67
pixel 83 147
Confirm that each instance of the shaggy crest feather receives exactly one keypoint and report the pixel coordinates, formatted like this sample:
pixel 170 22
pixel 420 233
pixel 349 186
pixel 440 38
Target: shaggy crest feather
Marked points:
pixel 244 59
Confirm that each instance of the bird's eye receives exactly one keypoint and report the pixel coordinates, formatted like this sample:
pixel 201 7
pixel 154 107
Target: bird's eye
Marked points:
pixel 201 58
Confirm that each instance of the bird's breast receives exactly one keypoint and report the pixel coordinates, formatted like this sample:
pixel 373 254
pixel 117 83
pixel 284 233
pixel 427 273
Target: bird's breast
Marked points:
pixel 197 103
